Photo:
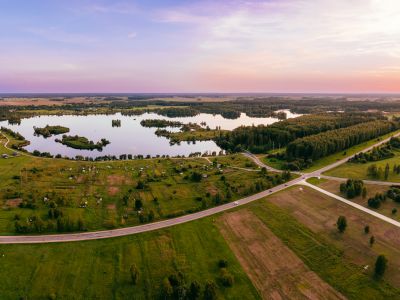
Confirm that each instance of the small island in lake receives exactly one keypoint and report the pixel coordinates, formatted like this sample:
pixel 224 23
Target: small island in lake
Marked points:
pixel 82 143
pixel 160 123
pixel 116 123
pixel 48 131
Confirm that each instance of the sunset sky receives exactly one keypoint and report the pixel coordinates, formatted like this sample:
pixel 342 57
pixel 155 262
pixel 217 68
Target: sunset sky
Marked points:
pixel 200 46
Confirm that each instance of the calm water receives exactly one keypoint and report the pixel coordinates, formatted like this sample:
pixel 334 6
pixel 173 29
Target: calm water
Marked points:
pixel 130 138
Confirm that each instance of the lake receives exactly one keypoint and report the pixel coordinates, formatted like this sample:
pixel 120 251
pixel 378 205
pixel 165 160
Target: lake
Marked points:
pixel 130 138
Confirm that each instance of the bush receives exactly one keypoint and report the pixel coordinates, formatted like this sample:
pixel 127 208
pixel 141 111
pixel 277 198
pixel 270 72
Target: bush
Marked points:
pixel 380 266
pixel 226 278
pixel 222 263
pixel 341 224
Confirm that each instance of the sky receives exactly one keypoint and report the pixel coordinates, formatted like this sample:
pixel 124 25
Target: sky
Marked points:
pixel 121 46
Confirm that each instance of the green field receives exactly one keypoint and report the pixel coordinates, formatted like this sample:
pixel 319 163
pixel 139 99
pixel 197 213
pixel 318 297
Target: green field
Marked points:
pixel 320 249
pixel 103 194
pixel 100 269
pixel 359 170
pixel 322 257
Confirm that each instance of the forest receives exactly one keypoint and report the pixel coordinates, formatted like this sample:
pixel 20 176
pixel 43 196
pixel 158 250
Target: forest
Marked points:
pixel 260 139
pixel 326 143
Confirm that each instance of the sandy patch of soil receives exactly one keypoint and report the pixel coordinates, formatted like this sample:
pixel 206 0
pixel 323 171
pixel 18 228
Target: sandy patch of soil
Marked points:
pixel 117 180
pixel 112 190
pixel 13 202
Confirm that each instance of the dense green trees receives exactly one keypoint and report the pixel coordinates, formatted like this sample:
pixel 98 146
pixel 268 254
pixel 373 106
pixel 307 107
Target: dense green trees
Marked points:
pixel 352 188
pixel 375 202
pixel 394 194
pixel 326 143
pixel 262 138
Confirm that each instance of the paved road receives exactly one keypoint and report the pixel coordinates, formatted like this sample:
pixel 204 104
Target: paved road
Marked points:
pixel 355 205
pixel 376 182
pixel 342 161
pixel 142 228
pixel 180 220
pixel 258 162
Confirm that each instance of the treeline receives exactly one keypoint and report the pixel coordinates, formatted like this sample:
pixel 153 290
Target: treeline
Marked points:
pixel 377 153
pixel 171 112
pixel 259 139
pixel 175 285
pixel 326 143
pixel 13 134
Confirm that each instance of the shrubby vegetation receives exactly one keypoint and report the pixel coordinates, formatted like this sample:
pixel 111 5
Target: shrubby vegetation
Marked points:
pixel 175 287
pixel 377 153
pixel 376 172
pixel 376 201
pixel 48 131
pixel 79 142
pixel 380 266
pixel 341 224
pixel 13 134
pixel 394 194
pixel 20 140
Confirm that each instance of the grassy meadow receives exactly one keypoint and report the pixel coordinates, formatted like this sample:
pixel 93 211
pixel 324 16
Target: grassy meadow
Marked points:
pixel 100 269
pixel 104 195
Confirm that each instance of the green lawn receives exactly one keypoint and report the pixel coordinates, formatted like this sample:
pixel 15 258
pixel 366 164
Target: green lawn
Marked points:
pixel 100 269
pixel 316 181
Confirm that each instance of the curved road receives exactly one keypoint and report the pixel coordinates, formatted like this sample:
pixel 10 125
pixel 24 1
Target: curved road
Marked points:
pixel 20 239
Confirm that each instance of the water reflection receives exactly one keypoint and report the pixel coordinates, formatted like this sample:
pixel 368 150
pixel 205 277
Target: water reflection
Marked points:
pixel 130 138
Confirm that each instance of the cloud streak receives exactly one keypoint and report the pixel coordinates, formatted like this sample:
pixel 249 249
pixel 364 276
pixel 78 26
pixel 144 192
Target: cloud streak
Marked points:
pixel 236 46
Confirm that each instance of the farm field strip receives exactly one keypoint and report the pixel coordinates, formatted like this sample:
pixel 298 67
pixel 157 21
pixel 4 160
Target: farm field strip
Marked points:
pixel 273 268
pixel 355 205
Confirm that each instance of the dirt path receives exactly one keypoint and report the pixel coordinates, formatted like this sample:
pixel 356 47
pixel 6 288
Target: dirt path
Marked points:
pixel 273 268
